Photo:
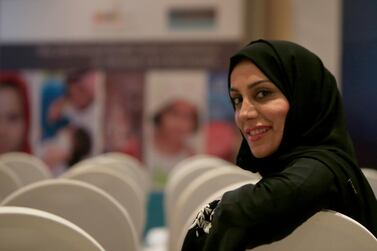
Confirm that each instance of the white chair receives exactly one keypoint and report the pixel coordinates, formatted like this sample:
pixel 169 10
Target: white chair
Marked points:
pixel 121 187
pixel 27 167
pixel 23 229
pixel 121 163
pixel 132 162
pixel 183 174
pixel 85 205
pixel 9 181
pixel 198 191
pixel 371 175
pixel 195 160
pixel 105 164
pixel 326 231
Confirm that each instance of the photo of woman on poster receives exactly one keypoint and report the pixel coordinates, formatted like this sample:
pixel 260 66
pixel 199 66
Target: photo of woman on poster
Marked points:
pixel 14 113
pixel 175 108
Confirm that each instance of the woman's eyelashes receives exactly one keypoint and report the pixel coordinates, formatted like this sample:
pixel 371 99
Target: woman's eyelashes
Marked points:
pixel 262 93
pixel 236 100
pixel 259 95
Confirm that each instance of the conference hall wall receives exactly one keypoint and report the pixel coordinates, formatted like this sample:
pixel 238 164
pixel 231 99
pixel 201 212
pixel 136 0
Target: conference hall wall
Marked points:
pixel 147 78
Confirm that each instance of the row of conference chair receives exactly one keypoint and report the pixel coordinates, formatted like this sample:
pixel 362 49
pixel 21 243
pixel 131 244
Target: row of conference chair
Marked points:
pixel 103 197
pixel 109 192
pixel 198 180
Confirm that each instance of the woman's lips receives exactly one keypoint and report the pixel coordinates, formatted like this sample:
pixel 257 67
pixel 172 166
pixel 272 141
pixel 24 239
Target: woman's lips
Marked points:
pixel 256 133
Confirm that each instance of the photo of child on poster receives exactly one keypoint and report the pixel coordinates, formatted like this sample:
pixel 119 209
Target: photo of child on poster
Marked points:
pixel 70 118
pixel 174 109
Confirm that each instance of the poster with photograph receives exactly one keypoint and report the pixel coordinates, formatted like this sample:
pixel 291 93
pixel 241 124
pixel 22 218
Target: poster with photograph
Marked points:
pixel 220 123
pixel 70 116
pixel 173 118
pixel 124 112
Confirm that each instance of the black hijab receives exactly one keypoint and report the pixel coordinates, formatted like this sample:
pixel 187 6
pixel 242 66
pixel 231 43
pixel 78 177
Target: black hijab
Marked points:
pixel 315 128
pixel 315 125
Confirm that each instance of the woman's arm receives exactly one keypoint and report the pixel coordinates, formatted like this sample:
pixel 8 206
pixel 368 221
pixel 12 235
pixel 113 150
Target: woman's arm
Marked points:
pixel 274 207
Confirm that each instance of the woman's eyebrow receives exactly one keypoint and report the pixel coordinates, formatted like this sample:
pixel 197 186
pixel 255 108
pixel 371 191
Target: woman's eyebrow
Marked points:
pixel 251 85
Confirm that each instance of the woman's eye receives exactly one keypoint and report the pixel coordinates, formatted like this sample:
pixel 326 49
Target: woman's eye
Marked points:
pixel 262 93
pixel 236 101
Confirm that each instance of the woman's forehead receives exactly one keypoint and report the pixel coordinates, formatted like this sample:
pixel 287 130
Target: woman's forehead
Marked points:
pixel 246 72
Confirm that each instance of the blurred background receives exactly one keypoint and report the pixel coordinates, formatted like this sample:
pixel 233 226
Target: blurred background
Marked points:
pixel 149 78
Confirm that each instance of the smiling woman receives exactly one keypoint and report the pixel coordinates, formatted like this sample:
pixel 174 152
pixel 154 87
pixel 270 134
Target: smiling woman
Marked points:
pixel 260 108
pixel 290 113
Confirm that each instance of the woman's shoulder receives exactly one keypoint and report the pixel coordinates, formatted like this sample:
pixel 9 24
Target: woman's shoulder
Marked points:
pixel 307 162
pixel 308 168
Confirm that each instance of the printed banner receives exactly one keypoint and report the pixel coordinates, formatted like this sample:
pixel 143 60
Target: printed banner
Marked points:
pixel 160 103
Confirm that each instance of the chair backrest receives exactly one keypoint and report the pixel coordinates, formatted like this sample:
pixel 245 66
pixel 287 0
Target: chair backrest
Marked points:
pixel 27 167
pixel 326 231
pixel 197 159
pixel 85 205
pixel 9 181
pixel 121 163
pixel 30 229
pixel 131 161
pixel 198 191
pixel 121 187
pixel 183 174
pixel 371 175
pixel 121 170
pixel 174 188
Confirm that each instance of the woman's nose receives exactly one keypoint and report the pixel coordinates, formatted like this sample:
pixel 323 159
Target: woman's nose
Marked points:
pixel 248 111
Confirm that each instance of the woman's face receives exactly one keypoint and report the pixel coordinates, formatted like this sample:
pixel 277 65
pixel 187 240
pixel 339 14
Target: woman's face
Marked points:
pixel 12 122
pixel 260 108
